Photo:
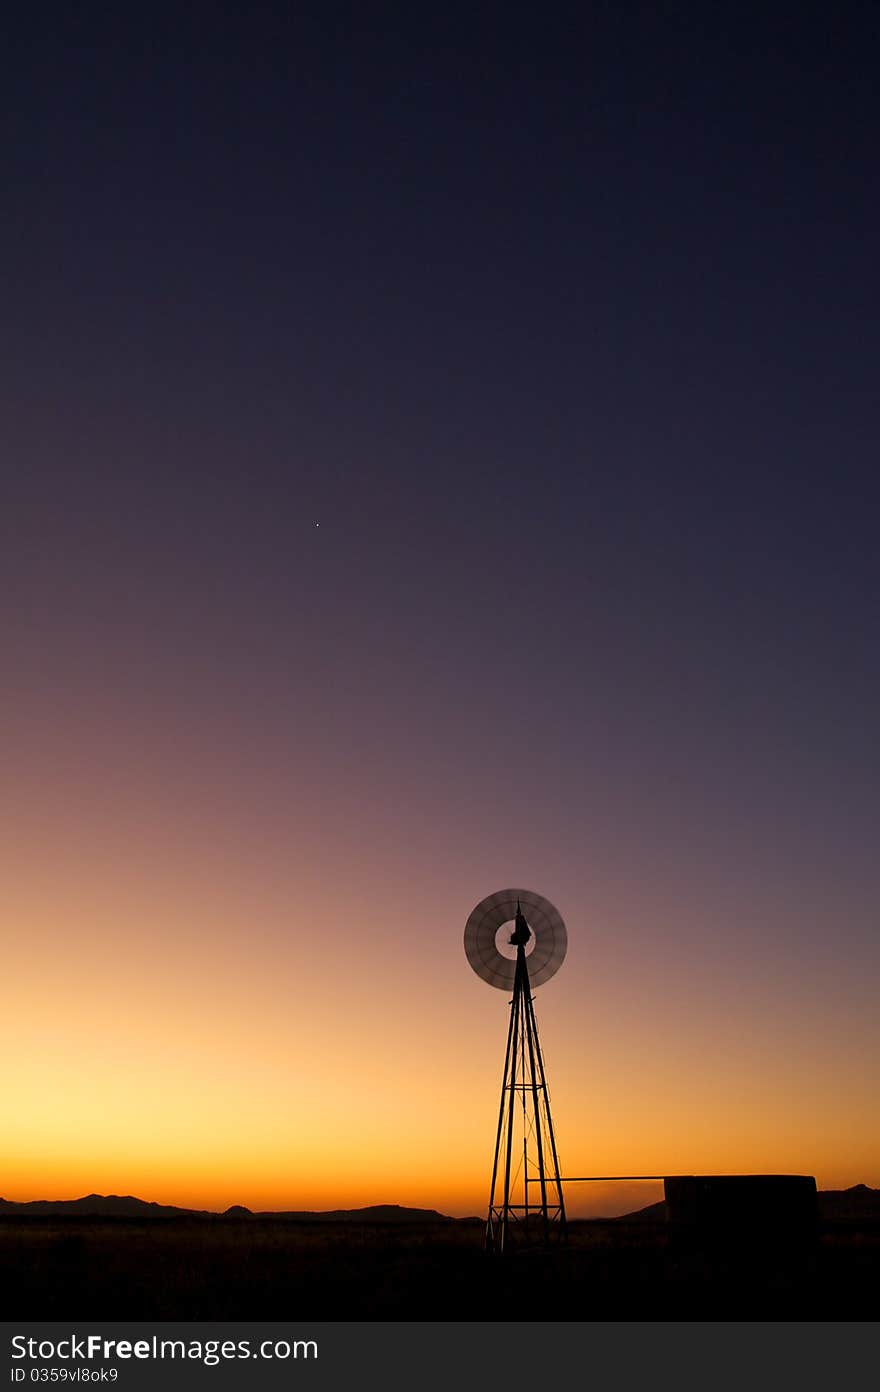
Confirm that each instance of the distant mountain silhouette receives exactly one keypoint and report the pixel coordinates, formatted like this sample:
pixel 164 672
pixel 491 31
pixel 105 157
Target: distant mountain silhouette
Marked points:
pixel 114 1206
pixel 99 1206
pixel 655 1212
pixel 376 1213
pixel 857 1202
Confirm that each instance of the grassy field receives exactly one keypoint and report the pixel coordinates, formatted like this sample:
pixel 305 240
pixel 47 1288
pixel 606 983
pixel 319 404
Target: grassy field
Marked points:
pixel 56 1268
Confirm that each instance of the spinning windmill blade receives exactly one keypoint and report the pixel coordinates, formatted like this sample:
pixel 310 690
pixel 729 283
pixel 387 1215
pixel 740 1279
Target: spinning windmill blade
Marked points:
pixel 545 922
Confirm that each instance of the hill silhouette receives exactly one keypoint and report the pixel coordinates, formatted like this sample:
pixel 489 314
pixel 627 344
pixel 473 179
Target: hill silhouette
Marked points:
pixel 857 1202
pixel 654 1212
pixel 375 1213
pixel 98 1206
pixel 127 1206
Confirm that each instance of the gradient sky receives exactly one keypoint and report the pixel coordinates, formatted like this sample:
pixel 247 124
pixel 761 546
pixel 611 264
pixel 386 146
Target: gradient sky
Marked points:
pixel 440 454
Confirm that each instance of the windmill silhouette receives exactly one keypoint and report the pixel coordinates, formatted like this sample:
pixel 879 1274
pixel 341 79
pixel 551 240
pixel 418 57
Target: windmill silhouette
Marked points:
pixel 525 1143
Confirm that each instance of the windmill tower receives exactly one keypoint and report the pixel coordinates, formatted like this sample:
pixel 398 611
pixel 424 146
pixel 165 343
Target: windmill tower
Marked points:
pixel 516 940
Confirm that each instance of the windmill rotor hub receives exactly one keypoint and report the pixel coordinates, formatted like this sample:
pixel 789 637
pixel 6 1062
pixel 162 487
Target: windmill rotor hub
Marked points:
pixel 521 932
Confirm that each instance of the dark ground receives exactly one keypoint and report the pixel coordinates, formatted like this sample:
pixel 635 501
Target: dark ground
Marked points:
pixel 70 1268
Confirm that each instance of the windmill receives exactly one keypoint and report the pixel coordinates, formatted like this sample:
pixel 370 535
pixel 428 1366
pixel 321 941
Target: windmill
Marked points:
pixel 525 1159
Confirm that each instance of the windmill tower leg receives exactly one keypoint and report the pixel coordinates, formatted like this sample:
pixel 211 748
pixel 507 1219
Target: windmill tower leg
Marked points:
pixel 540 1082
pixel 493 1224
pixel 515 1052
pixel 531 1038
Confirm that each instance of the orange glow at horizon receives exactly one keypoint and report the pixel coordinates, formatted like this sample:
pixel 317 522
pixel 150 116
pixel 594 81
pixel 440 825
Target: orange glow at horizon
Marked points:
pixel 204 1029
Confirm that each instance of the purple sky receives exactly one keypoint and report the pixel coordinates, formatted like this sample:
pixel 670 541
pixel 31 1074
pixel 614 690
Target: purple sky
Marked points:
pixel 447 445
